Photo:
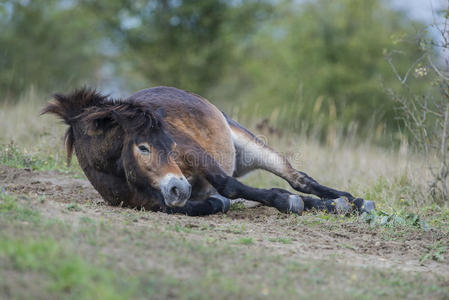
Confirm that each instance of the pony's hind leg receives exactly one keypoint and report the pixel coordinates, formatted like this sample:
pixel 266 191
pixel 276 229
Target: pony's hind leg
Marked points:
pixel 212 205
pixel 339 205
pixel 231 188
pixel 253 154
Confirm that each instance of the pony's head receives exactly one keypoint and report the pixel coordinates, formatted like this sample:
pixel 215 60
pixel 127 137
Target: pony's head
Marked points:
pixel 147 153
pixel 146 156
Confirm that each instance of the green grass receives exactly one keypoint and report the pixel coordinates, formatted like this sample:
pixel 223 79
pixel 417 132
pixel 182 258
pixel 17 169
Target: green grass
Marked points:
pixel 396 219
pixel 435 252
pixel 180 228
pixel 63 271
pixel 73 207
pixel 237 206
pixel 106 259
pixel 10 209
pixel 12 156
pixel 236 229
pixel 244 241
pixel 66 272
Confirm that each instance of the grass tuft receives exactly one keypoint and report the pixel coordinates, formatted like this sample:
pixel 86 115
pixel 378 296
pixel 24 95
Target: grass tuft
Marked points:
pixel 237 206
pixel 244 241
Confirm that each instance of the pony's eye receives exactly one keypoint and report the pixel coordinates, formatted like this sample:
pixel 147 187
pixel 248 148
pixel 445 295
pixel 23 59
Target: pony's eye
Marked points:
pixel 144 149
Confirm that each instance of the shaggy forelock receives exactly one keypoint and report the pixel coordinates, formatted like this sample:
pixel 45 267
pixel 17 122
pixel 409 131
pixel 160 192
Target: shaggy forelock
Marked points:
pixel 138 116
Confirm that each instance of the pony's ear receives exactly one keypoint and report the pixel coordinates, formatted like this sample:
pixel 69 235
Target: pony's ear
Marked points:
pixel 118 118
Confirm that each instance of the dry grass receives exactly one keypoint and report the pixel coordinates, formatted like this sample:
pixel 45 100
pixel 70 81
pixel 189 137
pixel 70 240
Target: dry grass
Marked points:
pixel 22 124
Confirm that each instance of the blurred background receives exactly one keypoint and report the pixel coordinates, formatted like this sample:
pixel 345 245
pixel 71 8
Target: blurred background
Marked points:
pixel 353 92
pixel 316 67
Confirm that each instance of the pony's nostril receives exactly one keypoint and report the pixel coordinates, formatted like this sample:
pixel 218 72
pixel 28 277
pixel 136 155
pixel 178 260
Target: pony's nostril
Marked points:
pixel 175 191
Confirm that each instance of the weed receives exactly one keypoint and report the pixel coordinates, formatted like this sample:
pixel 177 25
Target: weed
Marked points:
pixel 236 229
pixel 180 228
pixel 244 241
pixel 435 252
pixel 237 206
pixel 396 219
pixel 73 207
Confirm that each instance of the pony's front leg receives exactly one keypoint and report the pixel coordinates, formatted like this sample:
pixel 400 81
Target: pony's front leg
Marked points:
pixel 212 205
pixel 231 188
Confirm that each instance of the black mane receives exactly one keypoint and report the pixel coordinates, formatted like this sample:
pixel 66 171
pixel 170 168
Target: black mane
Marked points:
pixel 71 105
pixel 89 105
pixel 133 115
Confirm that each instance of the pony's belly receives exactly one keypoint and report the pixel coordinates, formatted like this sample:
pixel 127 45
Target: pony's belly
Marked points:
pixel 224 155
pixel 219 142
pixel 211 133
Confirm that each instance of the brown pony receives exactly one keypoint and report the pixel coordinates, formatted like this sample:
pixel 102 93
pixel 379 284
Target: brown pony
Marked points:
pixel 170 150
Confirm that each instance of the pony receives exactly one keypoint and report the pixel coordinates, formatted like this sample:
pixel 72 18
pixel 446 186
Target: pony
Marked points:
pixel 165 149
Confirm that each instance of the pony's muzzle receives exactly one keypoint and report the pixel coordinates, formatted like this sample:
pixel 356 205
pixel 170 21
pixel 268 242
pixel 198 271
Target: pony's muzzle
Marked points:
pixel 175 189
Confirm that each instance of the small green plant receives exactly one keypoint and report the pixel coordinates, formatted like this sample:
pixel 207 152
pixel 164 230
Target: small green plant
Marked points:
pixel 285 240
pixel 73 207
pixel 396 219
pixel 180 228
pixel 7 202
pixel 237 206
pixel 245 241
pixel 236 229
pixel 435 252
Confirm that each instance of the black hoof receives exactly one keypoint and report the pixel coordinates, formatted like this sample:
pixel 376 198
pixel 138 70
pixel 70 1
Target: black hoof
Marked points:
pixel 290 204
pixel 342 206
pixel 364 206
pixel 368 206
pixel 296 204
pixel 220 203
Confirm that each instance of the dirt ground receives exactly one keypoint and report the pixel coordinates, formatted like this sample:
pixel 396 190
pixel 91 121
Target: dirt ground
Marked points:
pixel 349 242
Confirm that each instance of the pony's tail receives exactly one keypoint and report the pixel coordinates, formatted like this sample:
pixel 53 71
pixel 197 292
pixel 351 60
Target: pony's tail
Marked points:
pixel 68 107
